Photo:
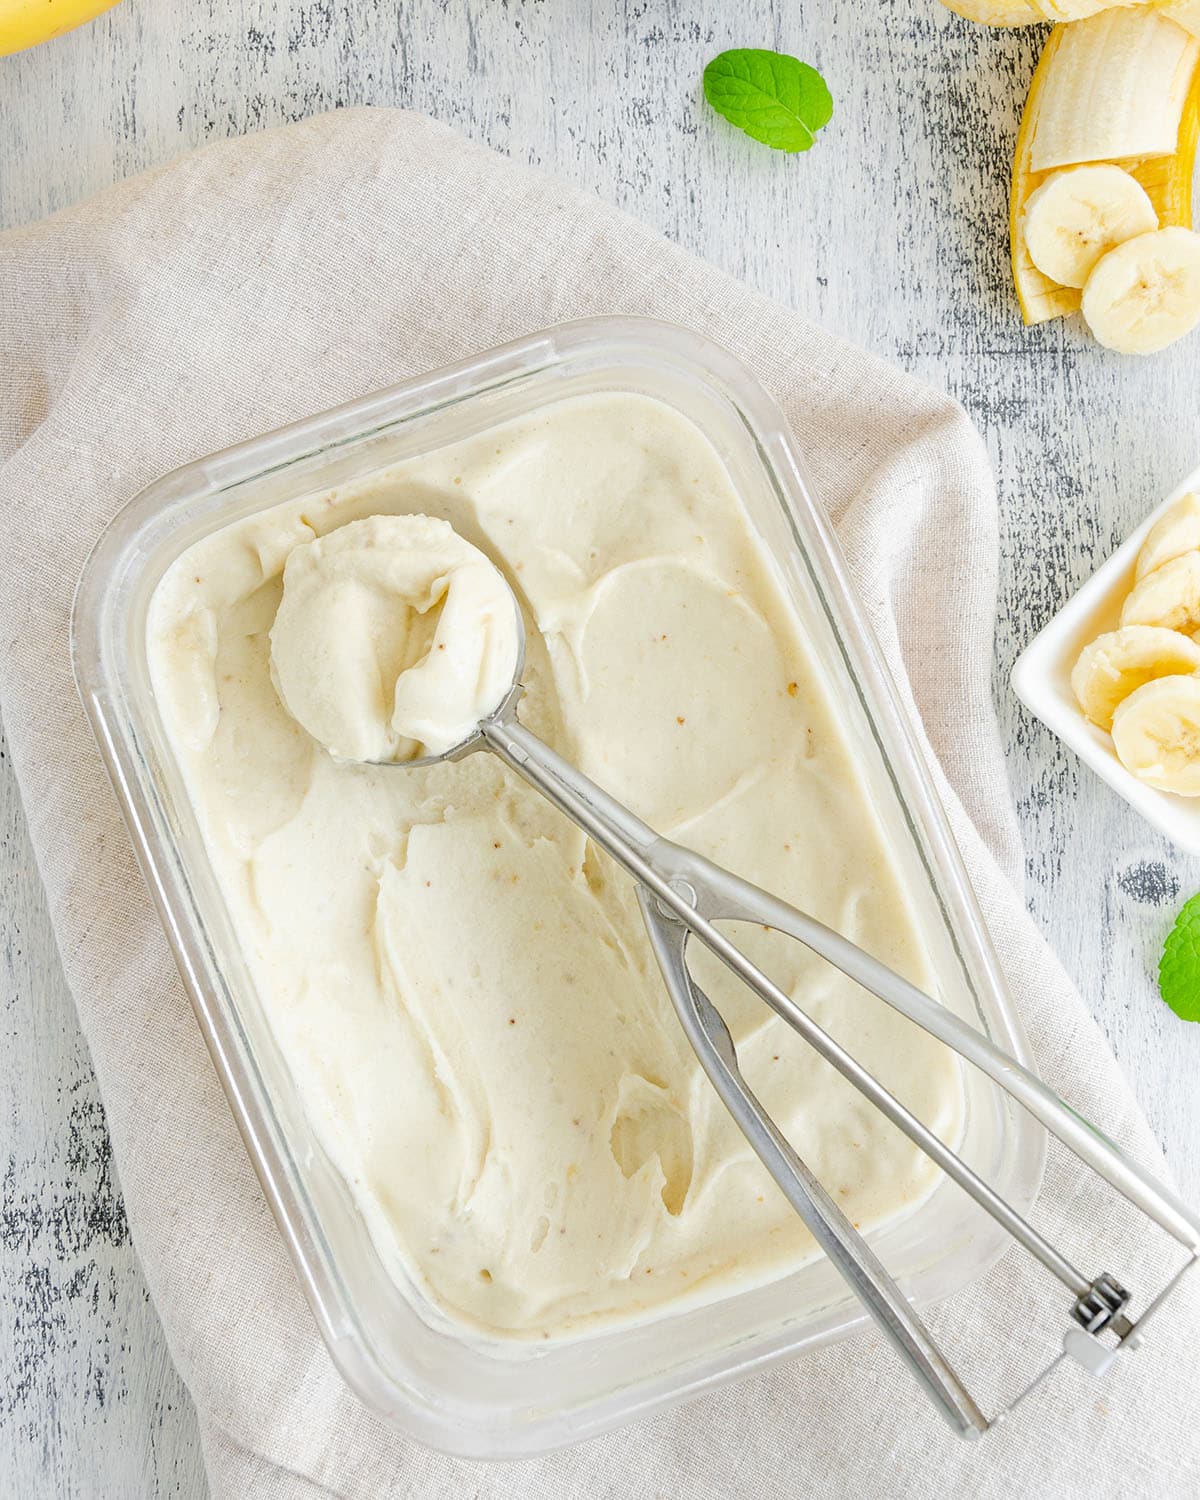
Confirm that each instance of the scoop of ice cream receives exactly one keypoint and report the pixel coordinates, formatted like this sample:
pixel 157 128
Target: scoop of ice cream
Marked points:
pixel 393 639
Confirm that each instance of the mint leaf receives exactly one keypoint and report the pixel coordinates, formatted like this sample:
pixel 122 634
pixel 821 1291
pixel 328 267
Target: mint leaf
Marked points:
pixel 1179 969
pixel 775 98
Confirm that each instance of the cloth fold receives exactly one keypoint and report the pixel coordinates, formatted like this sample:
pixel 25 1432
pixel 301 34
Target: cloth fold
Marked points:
pixel 262 279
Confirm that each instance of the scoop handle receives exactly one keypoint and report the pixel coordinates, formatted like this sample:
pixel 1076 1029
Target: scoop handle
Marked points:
pixel 696 892
pixel 683 893
pixel 624 836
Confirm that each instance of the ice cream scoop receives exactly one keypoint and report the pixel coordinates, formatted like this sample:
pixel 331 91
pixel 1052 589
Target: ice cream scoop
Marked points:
pixel 451 603
pixel 393 639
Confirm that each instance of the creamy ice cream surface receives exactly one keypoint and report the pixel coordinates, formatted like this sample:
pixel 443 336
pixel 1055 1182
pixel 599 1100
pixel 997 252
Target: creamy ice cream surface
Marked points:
pixel 458 981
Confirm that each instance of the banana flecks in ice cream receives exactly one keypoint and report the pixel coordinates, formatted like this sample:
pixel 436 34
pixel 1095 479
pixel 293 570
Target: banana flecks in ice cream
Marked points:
pixel 459 982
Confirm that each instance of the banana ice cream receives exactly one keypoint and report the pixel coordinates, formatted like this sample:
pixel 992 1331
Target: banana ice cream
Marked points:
pixel 458 981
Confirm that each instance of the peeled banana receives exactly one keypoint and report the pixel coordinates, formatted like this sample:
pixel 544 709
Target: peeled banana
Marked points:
pixel 1156 734
pixel 24 23
pixel 1116 93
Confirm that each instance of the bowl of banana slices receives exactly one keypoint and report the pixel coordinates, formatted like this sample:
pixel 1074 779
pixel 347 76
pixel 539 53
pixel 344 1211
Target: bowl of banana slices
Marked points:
pixel 1116 673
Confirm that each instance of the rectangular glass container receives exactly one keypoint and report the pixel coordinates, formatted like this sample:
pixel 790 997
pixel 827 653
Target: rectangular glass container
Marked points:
pixel 449 1387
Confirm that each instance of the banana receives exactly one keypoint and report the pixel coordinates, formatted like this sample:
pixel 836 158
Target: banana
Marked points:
pixel 1116 89
pixel 1118 663
pixel 1031 12
pixel 1168 179
pixel 1170 596
pixel 1185 13
pixel 1145 294
pixel 995 12
pixel 1080 10
pixel 1156 734
pixel 1039 297
pixel 1079 214
pixel 1173 534
pixel 1056 82
pixel 24 23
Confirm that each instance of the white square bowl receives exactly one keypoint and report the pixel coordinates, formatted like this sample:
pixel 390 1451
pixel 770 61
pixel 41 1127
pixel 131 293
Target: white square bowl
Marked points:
pixel 1041 679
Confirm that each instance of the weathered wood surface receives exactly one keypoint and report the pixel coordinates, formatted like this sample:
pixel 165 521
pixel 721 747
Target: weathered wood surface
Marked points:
pixel 892 232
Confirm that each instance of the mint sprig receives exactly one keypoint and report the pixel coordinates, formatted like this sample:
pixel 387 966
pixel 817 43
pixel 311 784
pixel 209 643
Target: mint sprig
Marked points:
pixel 1179 968
pixel 777 99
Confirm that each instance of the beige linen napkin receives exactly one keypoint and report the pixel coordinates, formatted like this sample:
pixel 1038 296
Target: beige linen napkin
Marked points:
pixel 262 279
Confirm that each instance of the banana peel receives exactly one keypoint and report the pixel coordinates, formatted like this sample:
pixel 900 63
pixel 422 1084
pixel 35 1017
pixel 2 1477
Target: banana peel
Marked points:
pixel 25 23
pixel 1167 179
pixel 1040 298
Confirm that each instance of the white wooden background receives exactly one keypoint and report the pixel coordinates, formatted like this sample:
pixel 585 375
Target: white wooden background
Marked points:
pixel 891 231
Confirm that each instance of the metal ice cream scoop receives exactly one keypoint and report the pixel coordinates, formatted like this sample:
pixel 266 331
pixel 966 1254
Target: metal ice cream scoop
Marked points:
pixel 683 896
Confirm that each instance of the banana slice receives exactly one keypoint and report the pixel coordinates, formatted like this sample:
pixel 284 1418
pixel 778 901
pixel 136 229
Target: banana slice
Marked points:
pixel 1156 734
pixel 1145 294
pixel 1174 533
pixel 1170 596
pixel 1118 663
pixel 1079 214
pixel 1115 88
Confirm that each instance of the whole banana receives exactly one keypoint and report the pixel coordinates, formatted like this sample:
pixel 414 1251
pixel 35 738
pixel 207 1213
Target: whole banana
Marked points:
pixel 25 23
